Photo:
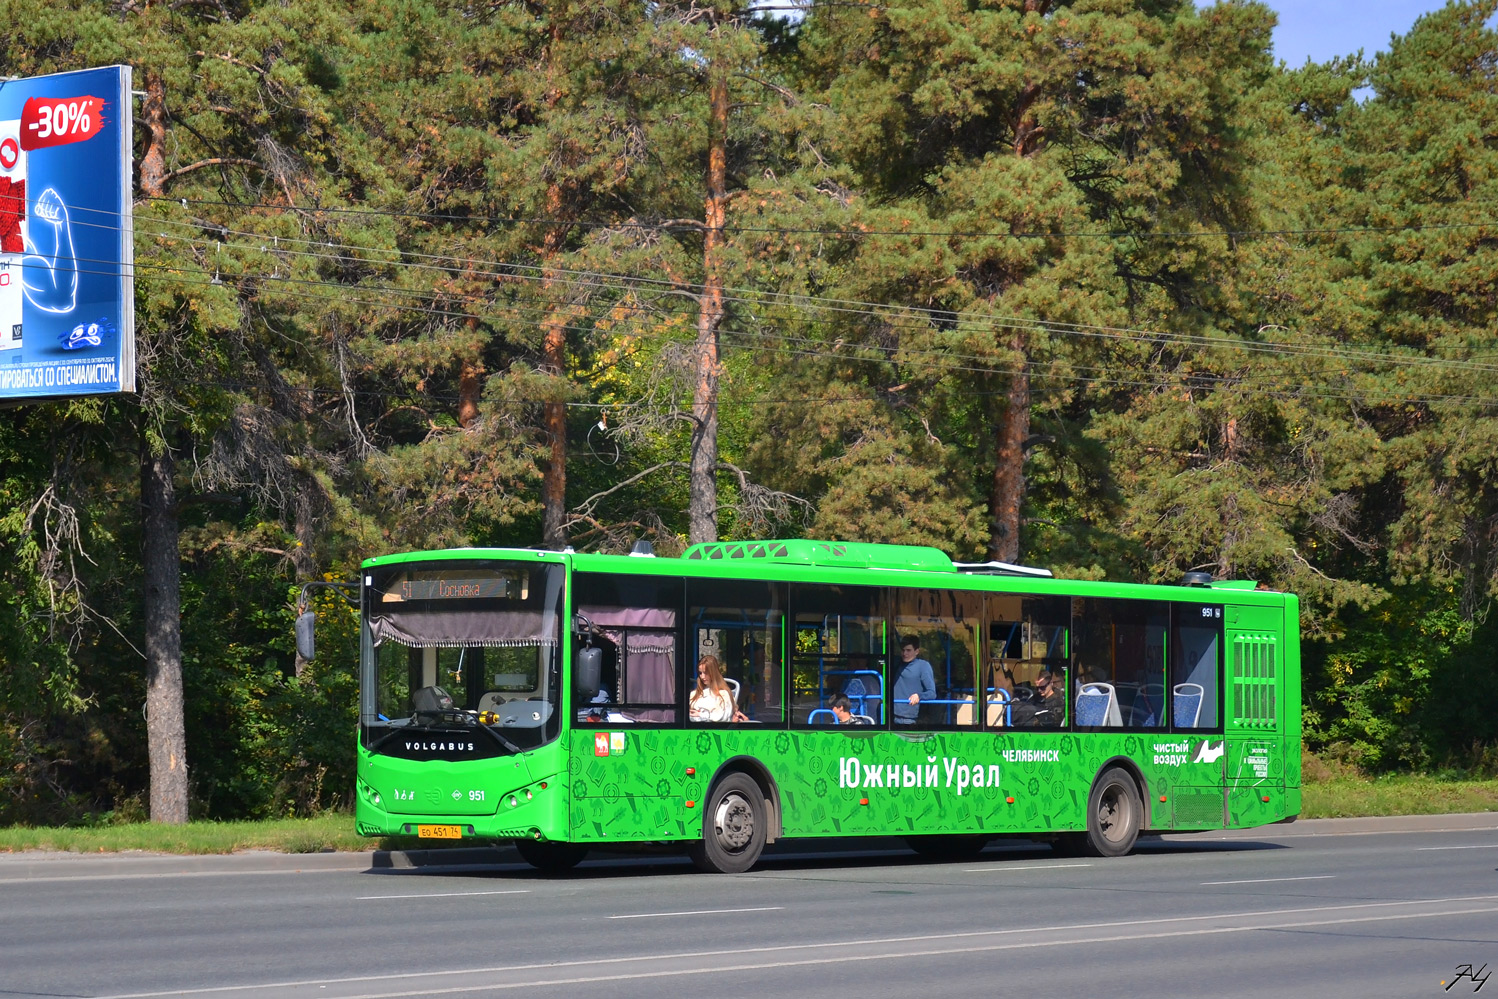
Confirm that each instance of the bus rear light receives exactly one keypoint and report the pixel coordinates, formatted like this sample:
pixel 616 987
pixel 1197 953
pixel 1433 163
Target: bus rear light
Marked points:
pixel 691 771
pixel 863 801
pixel 1009 800
pixel 1266 798
pixel 528 795
pixel 1162 797
pixel 691 803
pixel 514 801
pixel 543 785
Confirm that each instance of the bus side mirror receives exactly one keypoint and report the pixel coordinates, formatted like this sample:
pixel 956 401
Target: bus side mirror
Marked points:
pixel 306 643
pixel 587 672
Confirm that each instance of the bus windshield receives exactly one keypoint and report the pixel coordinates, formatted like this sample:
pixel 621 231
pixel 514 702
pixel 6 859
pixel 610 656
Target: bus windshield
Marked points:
pixel 465 652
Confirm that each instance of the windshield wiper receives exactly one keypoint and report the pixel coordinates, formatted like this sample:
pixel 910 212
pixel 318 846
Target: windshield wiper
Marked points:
pixel 415 723
pixel 394 731
pixel 506 743
pixel 467 720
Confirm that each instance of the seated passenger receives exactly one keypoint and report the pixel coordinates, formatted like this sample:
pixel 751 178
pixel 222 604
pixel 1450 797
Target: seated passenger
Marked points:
pixel 711 700
pixel 1045 709
pixel 842 710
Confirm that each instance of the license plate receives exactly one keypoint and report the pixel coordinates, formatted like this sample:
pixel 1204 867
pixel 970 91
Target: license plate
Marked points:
pixel 439 832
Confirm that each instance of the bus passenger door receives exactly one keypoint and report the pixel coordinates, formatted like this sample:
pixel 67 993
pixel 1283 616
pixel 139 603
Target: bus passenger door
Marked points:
pixel 1191 760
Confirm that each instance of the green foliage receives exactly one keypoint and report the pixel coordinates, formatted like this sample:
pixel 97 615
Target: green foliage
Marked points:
pixel 1248 321
pixel 1407 687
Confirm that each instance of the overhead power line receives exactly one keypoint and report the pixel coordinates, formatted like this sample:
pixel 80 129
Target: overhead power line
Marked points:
pixel 799 346
pixel 678 225
pixel 889 314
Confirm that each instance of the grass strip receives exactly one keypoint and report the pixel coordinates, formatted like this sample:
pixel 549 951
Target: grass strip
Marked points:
pixel 1351 796
pixel 317 835
pixel 1340 796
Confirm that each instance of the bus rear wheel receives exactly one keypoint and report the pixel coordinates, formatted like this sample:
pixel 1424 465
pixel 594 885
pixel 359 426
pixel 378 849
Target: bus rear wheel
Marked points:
pixel 733 827
pixel 553 858
pixel 1114 814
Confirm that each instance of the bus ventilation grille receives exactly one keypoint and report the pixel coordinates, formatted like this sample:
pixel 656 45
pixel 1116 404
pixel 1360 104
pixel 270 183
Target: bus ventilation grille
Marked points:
pixel 847 554
pixel 760 549
pixel 1254 680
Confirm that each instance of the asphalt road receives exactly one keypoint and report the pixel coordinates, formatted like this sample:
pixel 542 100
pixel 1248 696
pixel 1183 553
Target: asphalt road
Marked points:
pixel 1341 908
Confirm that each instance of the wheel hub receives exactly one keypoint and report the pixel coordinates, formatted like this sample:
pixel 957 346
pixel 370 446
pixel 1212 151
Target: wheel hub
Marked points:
pixel 1110 813
pixel 734 822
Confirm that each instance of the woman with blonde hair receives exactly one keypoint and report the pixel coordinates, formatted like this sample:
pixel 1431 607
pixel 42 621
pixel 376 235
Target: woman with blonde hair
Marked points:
pixel 712 700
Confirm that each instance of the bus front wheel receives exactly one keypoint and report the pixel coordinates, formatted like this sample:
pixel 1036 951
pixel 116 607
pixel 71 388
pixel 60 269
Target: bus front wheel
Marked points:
pixel 1114 814
pixel 553 858
pixel 733 827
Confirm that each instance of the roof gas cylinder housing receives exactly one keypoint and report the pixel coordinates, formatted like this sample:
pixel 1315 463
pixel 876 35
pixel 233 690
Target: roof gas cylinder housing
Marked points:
pixel 849 554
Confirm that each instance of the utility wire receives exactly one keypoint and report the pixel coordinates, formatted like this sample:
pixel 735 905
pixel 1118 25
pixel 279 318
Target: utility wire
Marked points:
pixel 600 280
pixel 1038 371
pixel 679 226
pixel 510 271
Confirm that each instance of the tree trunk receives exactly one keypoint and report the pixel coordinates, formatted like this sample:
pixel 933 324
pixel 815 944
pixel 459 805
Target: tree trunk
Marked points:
pixel 554 337
pixel 153 156
pixel 161 559
pixel 1009 459
pixel 162 564
pixel 468 394
pixel 554 481
pixel 1008 496
pixel 305 530
pixel 703 486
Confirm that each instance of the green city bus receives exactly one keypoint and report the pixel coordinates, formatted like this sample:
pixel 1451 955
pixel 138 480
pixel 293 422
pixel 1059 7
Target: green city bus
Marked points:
pixel 548 698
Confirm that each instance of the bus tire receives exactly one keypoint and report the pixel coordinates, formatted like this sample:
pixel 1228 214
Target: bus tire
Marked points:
pixel 952 849
pixel 734 827
pixel 1114 814
pixel 552 858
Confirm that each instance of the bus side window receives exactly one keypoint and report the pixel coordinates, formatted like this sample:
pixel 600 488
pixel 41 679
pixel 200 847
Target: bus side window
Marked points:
pixel 1196 666
pixel 1025 636
pixel 740 623
pixel 1120 662
pixel 635 621
pixel 837 649
pixel 946 626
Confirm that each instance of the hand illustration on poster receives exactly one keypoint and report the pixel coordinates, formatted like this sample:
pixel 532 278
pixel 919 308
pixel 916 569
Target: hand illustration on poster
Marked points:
pixel 50 270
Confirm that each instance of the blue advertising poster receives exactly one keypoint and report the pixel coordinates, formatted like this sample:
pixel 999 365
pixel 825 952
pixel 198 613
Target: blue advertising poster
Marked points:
pixel 67 302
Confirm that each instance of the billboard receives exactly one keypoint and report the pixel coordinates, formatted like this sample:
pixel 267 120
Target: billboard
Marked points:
pixel 67 299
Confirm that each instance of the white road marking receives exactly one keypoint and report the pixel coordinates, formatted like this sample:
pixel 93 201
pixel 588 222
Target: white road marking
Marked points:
pixel 1032 867
pixel 831 952
pixel 447 894
pixel 696 912
pixel 1474 846
pixel 1260 881
pixel 157 875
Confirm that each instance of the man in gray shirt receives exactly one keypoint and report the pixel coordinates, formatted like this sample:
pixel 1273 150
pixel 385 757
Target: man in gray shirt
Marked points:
pixel 913 682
